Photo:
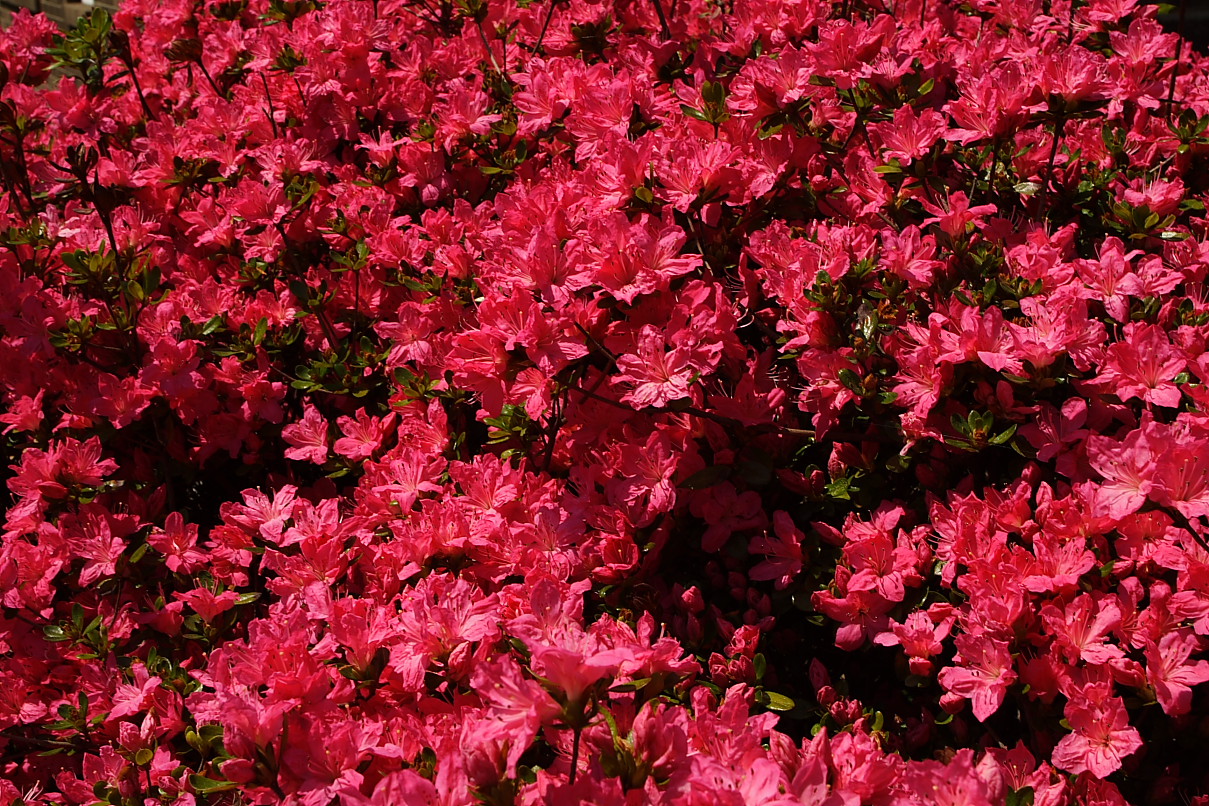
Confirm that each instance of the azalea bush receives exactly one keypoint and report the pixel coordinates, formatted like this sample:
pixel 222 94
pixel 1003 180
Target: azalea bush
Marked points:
pixel 604 402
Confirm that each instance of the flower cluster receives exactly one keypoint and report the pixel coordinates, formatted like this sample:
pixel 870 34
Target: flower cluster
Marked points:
pixel 604 402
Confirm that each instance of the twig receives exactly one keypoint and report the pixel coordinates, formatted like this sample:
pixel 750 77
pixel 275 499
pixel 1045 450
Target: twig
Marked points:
pixel 1186 525
pixel 1179 52
pixel 666 31
pixel 490 53
pixel 269 97
pixel 1059 130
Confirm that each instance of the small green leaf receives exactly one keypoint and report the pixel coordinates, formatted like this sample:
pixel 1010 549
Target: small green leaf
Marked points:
pixel 779 702
pixel 1002 438
pixel 212 325
pixel 851 380
pixel 262 327
pixel 631 685
pixel 205 785
pixel 1020 797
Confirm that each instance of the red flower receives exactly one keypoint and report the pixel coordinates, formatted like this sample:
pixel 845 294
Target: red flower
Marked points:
pixel 1101 737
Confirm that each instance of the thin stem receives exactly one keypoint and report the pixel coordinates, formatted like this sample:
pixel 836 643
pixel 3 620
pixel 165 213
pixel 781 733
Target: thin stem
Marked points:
pixel 1059 128
pixel 490 53
pixel 1179 52
pixel 860 124
pixel 545 25
pixel 1185 524
pixel 575 749
pixel 209 78
pixel 558 404
pixel 138 87
pixel 269 97
pixel 663 26
pixel 12 194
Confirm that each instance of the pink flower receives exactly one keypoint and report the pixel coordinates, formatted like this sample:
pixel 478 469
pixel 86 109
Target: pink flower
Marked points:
pixel 1128 467
pixel 910 136
pixel 1101 737
pixel 658 376
pixel 206 604
pixel 955 220
pixel 1171 675
pixel 1161 197
pixel 920 636
pixel 862 613
pixel 1143 365
pixel 1082 636
pixel 983 673
pixel 177 541
pixel 518 707
pixel 363 435
pixel 307 437
pixel 783 553
pixel 1181 477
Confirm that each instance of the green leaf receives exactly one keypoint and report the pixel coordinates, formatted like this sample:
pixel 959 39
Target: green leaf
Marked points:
pixel 1002 438
pixel 211 733
pixel 840 488
pixel 778 702
pixel 1020 797
pixel 215 322
pixel 766 132
pixel 851 380
pixel 144 756
pixel 632 685
pixel 205 785
pixel 139 553
pixel 262 327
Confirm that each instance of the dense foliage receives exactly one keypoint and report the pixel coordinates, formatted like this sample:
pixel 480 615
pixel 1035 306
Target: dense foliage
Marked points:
pixel 604 401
